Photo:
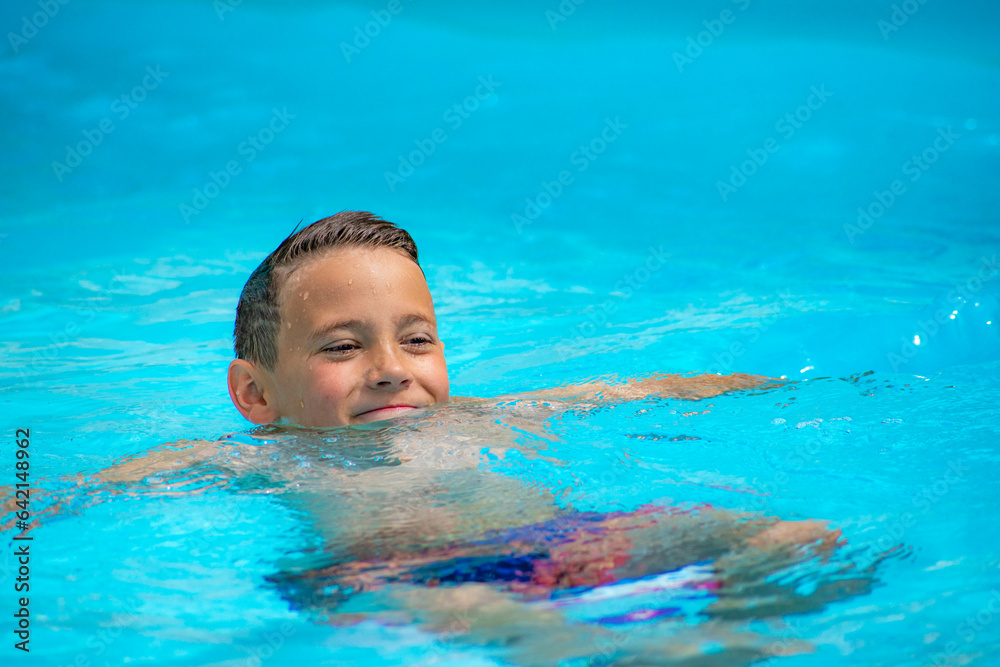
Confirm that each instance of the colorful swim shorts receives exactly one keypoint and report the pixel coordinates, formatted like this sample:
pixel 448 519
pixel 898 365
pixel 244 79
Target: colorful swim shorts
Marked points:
pixel 571 562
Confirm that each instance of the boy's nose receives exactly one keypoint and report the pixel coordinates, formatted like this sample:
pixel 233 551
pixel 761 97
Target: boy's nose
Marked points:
pixel 388 370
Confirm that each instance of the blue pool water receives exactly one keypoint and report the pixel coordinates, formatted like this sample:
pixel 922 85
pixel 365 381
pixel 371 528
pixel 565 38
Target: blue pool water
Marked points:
pixel 614 194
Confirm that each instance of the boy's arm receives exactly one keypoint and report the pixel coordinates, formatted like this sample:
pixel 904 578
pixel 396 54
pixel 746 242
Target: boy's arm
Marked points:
pixel 170 457
pixel 178 455
pixel 661 385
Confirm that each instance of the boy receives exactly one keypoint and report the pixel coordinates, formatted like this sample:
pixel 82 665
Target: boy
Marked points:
pixel 336 328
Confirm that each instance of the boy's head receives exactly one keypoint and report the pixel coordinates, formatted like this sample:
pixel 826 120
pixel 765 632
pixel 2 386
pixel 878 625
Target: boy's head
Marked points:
pixel 336 327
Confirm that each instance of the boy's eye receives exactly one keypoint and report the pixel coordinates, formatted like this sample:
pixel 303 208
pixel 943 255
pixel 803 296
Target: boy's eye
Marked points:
pixel 419 340
pixel 346 348
pixel 340 347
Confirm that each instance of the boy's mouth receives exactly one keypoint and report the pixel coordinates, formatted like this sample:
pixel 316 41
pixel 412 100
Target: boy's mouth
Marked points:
pixel 386 412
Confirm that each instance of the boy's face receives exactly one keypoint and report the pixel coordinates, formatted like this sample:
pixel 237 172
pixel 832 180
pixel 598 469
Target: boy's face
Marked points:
pixel 358 340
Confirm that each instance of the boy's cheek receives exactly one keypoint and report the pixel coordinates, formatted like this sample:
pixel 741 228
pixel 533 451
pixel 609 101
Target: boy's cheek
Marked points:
pixel 443 384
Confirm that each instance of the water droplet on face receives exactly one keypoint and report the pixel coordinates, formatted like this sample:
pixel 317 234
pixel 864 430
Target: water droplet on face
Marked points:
pixel 305 295
pixel 351 281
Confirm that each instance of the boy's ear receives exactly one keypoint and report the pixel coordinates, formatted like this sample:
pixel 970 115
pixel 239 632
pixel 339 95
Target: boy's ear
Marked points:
pixel 250 392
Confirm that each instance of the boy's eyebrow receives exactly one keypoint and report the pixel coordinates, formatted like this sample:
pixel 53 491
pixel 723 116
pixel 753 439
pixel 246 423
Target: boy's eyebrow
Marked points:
pixel 354 325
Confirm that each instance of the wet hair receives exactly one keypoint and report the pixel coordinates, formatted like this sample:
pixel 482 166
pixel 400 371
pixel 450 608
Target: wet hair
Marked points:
pixel 255 336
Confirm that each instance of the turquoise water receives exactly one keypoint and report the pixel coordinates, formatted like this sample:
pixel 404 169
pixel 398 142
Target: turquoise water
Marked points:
pixel 548 264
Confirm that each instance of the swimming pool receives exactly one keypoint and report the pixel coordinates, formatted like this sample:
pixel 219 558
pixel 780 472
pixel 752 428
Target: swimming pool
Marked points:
pixel 591 196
